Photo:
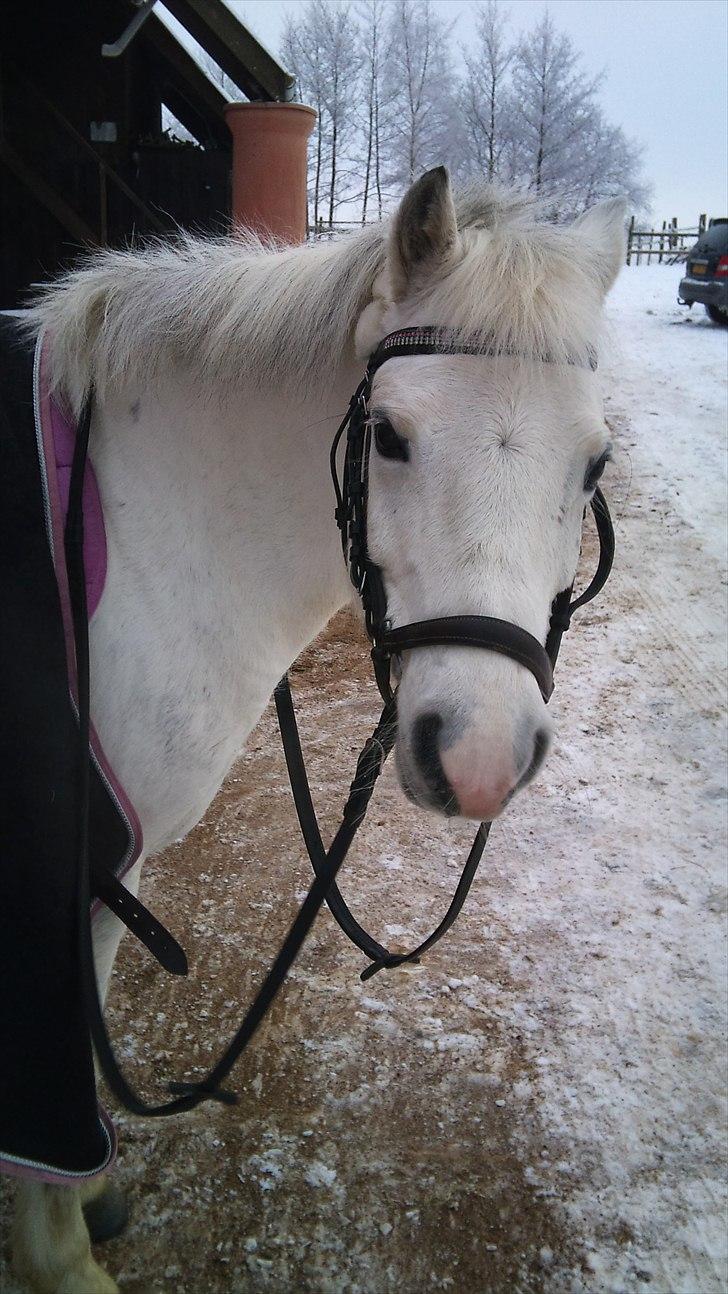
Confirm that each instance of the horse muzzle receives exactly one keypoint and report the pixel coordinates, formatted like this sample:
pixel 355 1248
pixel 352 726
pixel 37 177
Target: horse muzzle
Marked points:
pixel 469 770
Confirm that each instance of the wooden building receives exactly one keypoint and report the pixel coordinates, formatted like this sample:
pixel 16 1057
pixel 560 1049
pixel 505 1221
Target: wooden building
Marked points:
pixel 83 157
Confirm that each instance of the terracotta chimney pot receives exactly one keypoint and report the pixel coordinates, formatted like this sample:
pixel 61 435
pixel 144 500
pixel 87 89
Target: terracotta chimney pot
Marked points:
pixel 269 167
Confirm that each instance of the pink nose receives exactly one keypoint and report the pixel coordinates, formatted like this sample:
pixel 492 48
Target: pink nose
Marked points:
pixel 473 775
pixel 481 792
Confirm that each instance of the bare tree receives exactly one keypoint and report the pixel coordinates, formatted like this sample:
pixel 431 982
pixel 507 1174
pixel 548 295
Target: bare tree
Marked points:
pixel 421 90
pixel 371 17
pixel 322 52
pixel 609 165
pixel 303 55
pixel 562 144
pixel 342 57
pixel 485 97
pixel 389 105
pixel 553 101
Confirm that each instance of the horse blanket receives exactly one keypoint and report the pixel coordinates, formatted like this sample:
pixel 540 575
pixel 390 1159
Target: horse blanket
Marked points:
pixel 51 1126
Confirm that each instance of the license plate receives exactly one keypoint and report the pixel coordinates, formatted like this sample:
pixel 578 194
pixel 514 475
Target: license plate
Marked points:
pixel 699 267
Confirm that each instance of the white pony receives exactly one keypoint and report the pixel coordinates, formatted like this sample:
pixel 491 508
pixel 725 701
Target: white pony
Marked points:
pixel 221 369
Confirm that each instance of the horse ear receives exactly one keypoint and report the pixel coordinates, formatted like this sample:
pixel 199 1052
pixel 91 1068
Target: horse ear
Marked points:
pixel 603 230
pixel 424 232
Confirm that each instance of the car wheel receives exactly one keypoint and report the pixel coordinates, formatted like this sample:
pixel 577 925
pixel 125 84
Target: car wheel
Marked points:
pixel 719 314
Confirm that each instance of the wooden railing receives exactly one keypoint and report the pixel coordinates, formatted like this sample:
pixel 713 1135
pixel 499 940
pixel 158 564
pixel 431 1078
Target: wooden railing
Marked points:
pixel 670 243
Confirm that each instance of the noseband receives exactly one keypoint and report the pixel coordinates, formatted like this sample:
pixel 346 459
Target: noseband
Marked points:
pixel 448 631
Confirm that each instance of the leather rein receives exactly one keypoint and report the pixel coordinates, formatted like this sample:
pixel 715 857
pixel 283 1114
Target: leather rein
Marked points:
pixel 388 642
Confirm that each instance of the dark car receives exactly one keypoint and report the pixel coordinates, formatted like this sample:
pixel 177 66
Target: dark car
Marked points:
pixel 706 278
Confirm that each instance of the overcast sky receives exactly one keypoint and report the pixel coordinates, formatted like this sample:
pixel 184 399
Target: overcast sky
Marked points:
pixel 665 62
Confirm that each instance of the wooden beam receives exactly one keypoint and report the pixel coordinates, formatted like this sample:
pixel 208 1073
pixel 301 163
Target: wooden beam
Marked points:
pixel 83 144
pixel 255 72
pixel 187 91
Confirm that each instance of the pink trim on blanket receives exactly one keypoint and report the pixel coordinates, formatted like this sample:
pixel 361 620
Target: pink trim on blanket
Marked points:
pixel 57 439
pixel 31 1172
pixel 57 436
pixel 94 531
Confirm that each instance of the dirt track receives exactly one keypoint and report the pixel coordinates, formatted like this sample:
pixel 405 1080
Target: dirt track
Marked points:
pixel 372 1148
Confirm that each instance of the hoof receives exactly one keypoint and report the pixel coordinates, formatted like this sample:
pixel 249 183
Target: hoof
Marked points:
pixel 107 1215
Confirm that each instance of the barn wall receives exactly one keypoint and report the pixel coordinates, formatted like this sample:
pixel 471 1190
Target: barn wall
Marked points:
pixel 63 190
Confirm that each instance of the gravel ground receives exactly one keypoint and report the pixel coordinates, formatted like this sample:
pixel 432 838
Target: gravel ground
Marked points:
pixel 540 1106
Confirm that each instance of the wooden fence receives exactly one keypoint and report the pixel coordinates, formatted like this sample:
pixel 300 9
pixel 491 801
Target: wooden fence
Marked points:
pixel 669 244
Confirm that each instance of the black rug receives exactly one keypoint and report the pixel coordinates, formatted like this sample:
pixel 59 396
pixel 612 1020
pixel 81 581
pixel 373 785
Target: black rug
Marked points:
pixel 49 1116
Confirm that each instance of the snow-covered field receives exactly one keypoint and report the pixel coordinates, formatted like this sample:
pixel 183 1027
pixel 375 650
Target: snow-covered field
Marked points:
pixel 541 1106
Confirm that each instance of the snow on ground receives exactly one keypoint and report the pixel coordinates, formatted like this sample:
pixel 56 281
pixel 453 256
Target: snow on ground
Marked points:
pixel 626 933
pixel 540 1107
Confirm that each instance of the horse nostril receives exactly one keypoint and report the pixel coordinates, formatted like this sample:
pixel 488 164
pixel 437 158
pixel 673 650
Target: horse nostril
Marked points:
pixel 540 747
pixel 426 749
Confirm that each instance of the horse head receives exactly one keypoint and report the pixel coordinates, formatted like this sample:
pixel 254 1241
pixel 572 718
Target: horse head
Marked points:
pixel 480 469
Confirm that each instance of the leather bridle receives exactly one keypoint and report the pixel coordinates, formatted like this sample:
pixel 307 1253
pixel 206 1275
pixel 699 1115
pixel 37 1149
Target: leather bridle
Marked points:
pixel 486 632
pixel 351 516
pixel 388 641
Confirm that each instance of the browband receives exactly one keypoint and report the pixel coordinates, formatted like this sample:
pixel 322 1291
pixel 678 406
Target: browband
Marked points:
pixel 451 341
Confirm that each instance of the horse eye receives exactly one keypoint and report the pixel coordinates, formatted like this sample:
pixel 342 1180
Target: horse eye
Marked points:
pixel 595 470
pixel 389 444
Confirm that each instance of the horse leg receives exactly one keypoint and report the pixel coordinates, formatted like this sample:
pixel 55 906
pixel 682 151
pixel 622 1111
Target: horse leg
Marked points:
pixel 51 1242
pixel 51 1246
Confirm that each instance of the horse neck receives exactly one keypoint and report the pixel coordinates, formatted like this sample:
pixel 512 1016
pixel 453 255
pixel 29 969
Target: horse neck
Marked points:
pixel 231 502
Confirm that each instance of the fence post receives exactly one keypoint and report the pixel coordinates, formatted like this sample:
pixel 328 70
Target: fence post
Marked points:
pixel 629 241
pixel 702 221
pixel 662 242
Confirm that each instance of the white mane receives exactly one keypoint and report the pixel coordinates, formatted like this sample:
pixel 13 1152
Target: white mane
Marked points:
pixel 238 310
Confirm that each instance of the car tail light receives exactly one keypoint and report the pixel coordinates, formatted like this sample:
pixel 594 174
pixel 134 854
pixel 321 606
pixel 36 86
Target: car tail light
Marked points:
pixel 721 269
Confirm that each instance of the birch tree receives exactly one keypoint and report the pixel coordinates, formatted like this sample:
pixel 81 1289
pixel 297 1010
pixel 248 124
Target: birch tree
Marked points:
pixel 372 40
pixel 609 164
pixel 420 83
pixel 390 105
pixel 303 55
pixel 485 95
pixel 322 52
pixel 552 103
pixel 342 63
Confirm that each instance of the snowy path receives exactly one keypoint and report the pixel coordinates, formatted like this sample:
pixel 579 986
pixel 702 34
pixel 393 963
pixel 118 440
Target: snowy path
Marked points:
pixel 633 1063
pixel 540 1107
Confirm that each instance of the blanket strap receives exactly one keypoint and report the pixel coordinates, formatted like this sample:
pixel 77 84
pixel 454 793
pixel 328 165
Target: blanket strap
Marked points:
pixel 139 920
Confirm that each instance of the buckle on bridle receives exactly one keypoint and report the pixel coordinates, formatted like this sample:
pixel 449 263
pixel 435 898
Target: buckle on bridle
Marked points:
pixel 381 656
pixel 383 627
